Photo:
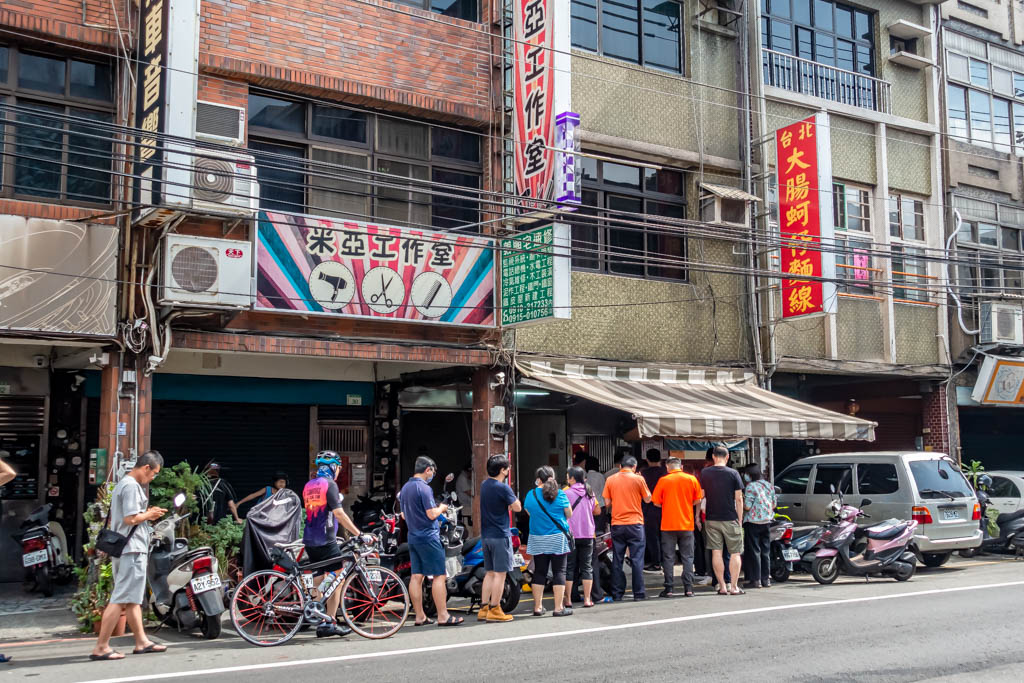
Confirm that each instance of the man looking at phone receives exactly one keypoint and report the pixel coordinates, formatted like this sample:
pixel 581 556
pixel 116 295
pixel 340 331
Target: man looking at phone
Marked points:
pixel 130 515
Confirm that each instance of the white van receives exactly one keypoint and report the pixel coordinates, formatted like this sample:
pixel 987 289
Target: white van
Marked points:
pixel 927 487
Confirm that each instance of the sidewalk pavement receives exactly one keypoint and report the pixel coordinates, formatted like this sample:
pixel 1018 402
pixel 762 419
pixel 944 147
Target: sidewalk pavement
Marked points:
pixel 30 616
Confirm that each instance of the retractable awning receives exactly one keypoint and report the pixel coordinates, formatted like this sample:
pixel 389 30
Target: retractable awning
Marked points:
pixel 708 403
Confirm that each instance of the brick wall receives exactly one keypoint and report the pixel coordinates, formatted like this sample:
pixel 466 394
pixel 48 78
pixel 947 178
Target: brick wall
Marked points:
pixel 934 417
pixel 368 52
pixel 61 20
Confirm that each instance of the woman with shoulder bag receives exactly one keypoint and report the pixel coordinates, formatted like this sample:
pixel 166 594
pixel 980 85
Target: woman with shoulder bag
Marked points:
pixel 584 506
pixel 549 541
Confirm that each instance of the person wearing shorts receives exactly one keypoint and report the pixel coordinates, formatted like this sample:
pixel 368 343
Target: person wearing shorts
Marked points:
pixel 497 499
pixel 425 551
pixel 130 515
pixel 723 495
pixel 322 501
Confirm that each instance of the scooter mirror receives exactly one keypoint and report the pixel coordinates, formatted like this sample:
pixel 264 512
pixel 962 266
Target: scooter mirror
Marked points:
pixel 179 500
pixel 832 488
pixel 449 478
pixel 864 503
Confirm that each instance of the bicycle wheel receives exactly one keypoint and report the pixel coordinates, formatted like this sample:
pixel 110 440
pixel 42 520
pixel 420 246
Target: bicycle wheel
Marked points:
pixel 374 606
pixel 266 609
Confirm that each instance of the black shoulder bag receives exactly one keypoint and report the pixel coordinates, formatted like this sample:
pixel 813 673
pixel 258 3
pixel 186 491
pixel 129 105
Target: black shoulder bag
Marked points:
pixel 111 542
pixel 565 531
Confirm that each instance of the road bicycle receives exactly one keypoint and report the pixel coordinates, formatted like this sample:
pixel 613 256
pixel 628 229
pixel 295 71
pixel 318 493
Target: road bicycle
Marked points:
pixel 270 606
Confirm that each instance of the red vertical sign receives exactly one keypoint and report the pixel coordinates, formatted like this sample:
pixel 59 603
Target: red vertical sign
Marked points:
pixel 534 98
pixel 799 217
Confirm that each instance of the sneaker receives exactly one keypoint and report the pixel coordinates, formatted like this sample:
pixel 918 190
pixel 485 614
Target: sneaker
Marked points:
pixel 702 580
pixel 767 583
pixel 483 613
pixel 328 630
pixel 667 593
pixel 638 598
pixel 498 614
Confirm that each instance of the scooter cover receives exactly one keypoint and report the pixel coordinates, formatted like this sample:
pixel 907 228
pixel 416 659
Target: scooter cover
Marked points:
pixel 277 519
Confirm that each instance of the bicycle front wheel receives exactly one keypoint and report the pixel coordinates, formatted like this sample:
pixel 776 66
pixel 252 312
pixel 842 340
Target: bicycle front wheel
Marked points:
pixel 374 602
pixel 266 609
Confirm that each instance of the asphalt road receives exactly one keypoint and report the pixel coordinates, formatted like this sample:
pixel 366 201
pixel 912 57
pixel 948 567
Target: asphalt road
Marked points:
pixel 961 622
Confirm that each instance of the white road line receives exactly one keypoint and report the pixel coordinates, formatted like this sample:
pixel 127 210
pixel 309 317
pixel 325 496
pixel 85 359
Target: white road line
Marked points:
pixel 555 634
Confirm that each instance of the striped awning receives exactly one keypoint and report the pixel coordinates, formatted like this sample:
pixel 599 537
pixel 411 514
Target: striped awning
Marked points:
pixel 702 403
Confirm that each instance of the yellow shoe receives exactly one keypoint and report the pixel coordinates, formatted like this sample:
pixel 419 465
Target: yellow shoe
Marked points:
pixel 484 613
pixel 498 614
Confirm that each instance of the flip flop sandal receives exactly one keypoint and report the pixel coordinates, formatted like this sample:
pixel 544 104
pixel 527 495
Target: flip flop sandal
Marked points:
pixel 452 621
pixel 106 656
pixel 688 594
pixel 427 622
pixel 738 591
pixel 152 648
pixel 539 613
pixel 723 592
pixel 564 613
pixel 586 606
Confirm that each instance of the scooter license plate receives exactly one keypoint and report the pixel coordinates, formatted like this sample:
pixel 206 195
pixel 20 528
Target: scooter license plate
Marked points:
pixel 373 575
pixel 208 582
pixel 790 554
pixel 33 558
pixel 517 560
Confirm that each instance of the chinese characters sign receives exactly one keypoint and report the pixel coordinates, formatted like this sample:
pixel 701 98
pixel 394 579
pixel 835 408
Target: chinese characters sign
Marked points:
pixel 150 112
pixel 348 268
pixel 541 92
pixel 803 164
pixel 535 275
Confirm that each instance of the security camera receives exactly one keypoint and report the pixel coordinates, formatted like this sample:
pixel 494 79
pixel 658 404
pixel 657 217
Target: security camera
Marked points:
pixel 40 361
pixel 100 359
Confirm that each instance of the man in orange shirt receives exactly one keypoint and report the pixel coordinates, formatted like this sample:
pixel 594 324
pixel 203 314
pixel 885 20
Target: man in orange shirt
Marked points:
pixel 677 493
pixel 625 492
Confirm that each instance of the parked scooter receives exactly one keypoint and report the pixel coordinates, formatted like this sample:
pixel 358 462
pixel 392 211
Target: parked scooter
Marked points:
pixel 886 553
pixel 43 551
pixel 1010 526
pixel 782 553
pixel 185 586
pixel 805 543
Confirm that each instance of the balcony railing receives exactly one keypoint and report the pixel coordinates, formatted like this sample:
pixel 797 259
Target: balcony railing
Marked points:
pixel 827 82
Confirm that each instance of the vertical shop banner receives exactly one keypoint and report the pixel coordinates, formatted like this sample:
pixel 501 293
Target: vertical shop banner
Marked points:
pixel 151 98
pixel 804 168
pixel 535 275
pixel 542 93
pixel 347 268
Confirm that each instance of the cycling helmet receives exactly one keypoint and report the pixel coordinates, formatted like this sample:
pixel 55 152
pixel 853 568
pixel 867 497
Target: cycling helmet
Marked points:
pixel 328 459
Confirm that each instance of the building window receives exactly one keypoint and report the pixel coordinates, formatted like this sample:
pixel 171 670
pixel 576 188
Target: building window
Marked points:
pixel 431 176
pixel 853 265
pixel 821 32
pixel 609 232
pixel 985 94
pixel 851 208
pixel 58 142
pixel 906 218
pixel 909 274
pixel 645 32
pixel 990 249
pixel 459 9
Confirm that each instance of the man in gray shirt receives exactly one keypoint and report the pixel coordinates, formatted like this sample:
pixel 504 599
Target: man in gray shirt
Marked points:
pixel 130 516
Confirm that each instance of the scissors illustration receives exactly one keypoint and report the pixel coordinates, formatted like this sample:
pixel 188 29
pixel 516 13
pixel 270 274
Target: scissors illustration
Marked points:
pixel 383 294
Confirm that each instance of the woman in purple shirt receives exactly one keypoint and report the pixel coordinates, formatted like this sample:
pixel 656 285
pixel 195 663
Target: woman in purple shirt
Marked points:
pixel 581 525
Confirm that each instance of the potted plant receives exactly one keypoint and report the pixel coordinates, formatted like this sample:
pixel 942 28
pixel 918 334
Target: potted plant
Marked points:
pixel 96 578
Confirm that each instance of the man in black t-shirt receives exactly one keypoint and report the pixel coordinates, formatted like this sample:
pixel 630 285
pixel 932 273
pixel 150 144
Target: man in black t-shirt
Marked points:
pixel 221 501
pixel 723 493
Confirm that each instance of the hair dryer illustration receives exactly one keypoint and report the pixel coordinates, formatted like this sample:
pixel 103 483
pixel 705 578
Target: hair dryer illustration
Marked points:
pixel 335 281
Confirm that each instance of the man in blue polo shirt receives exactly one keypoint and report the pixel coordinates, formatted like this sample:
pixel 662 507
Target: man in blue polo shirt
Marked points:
pixel 425 551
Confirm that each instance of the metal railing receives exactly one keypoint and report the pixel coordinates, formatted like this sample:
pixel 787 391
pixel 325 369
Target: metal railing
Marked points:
pixel 827 82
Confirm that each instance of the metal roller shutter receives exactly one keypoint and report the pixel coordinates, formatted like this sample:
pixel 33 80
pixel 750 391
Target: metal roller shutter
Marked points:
pixel 251 440
pixel 22 415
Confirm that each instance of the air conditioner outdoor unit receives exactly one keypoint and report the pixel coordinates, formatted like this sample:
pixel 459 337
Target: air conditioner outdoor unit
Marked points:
pixel 724 211
pixel 1002 323
pixel 205 271
pixel 224 183
pixel 220 123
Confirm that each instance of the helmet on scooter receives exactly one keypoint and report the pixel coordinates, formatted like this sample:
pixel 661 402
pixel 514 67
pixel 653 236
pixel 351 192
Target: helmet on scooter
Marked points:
pixel 833 508
pixel 984 482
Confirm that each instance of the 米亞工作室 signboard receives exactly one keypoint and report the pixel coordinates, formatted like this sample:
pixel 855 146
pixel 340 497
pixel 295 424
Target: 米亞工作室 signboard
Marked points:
pixel 535 275
pixel 354 269
pixel 804 168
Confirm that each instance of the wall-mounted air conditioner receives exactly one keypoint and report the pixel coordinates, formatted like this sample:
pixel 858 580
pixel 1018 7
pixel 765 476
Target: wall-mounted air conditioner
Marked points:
pixel 1001 323
pixel 220 123
pixel 224 183
pixel 205 271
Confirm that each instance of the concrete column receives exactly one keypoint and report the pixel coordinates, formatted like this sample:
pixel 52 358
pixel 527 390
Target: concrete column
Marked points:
pixel 117 408
pixel 484 445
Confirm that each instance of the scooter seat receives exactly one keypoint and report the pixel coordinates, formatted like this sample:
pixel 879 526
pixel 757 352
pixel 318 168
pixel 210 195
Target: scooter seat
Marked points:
pixel 885 533
pixel 1009 516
